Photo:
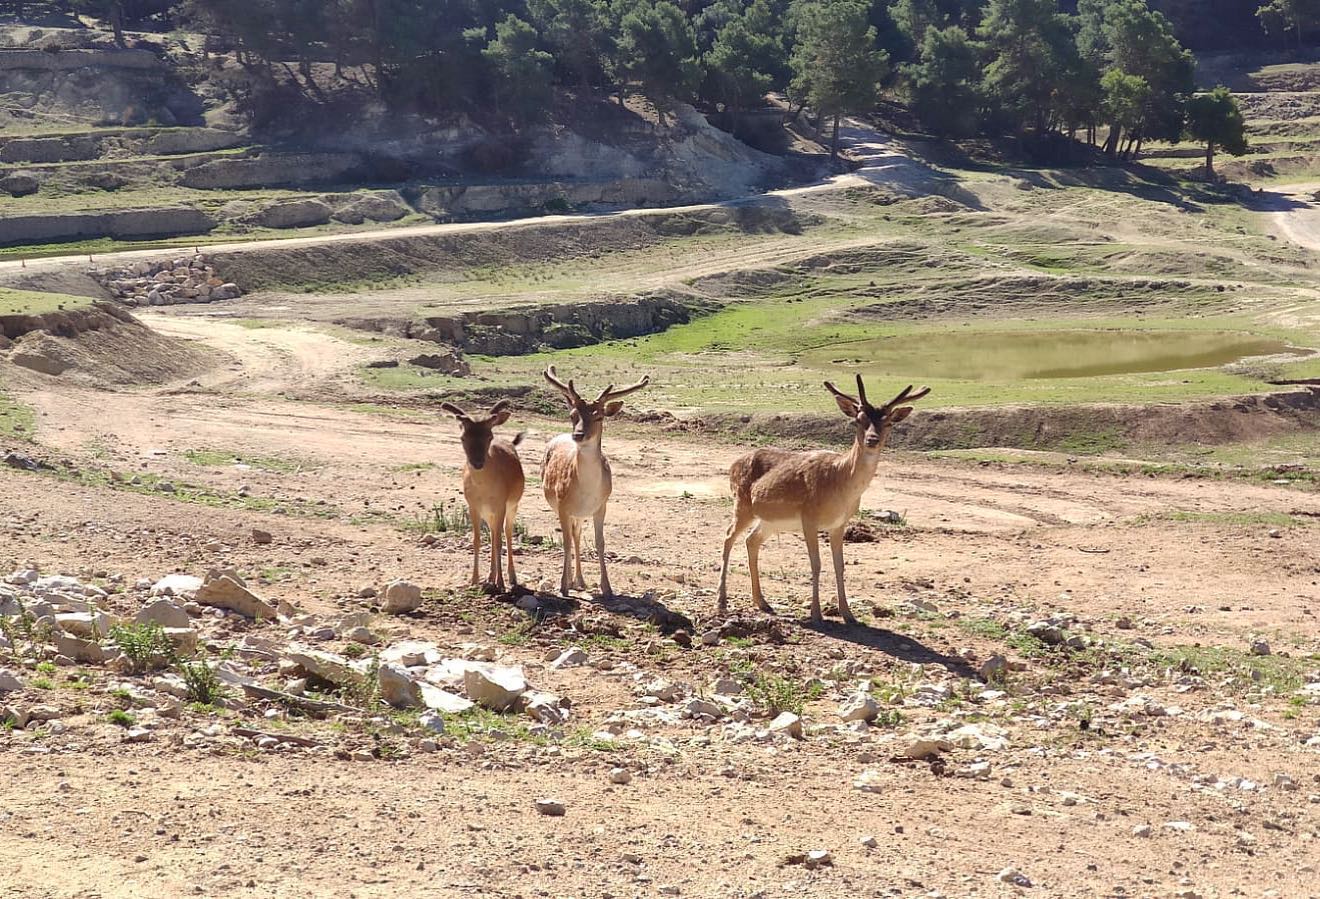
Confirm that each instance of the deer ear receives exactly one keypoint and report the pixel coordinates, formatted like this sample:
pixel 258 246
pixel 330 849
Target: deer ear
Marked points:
pixel 614 408
pixel 847 405
pixel 899 414
pixel 500 417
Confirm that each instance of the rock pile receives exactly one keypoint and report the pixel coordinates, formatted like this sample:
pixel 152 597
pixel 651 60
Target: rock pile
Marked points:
pixel 169 282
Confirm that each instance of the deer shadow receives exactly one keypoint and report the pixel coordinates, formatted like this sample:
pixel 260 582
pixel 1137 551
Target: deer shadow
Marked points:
pixel 899 646
pixel 644 608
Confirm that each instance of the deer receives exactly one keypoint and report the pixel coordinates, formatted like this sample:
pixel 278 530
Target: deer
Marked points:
pixel 576 475
pixel 777 490
pixel 493 484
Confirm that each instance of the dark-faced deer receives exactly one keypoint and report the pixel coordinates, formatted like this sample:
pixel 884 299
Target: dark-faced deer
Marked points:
pixel 776 490
pixel 576 475
pixel 492 484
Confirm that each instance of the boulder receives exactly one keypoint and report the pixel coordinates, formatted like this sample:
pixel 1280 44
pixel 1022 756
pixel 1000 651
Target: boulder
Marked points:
pixel 9 681
pixel 859 707
pixel 294 214
pixel 569 658
pixel 397 688
pixel 85 651
pixel 20 184
pixel 176 585
pixel 787 723
pixel 327 666
pixel 440 700
pixel 494 687
pixel 226 593
pixel 383 206
pixel 166 613
pixel 411 653
pixel 401 597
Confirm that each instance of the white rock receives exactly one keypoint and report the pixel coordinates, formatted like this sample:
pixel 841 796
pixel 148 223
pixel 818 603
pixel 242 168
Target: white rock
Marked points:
pixel 926 747
pixel 401 597
pixel 869 781
pixel 787 723
pixel 439 700
pixel 164 612
pixel 494 687
pixel 570 658
pixel 412 653
pixel 819 858
pixel 620 776
pixel 547 708
pixel 984 736
pixel 176 585
pixel 137 735
pixel 432 721
pixel 397 688
pixel 1014 877
pixel 327 666
pixel 225 592
pixel 550 807
pixel 697 708
pixel 9 681
pixel 859 707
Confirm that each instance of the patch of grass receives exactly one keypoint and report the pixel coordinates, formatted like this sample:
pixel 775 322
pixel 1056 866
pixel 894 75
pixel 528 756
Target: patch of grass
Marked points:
pixel 774 693
pixel 444 518
pixel 30 302
pixel 981 627
pixel 204 685
pixel 1239 519
pixel 17 421
pixel 585 738
pixel 42 683
pixel 212 458
pixel 120 718
pixel 144 645
pixel 604 641
pixel 47 668
pixel 519 636
pixel 484 725
pixel 1241 671
pixel 415 466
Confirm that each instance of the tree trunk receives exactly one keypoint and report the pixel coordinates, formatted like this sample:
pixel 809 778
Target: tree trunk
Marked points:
pixel 1111 144
pixel 117 24
pixel 834 141
pixel 1137 151
pixel 1210 160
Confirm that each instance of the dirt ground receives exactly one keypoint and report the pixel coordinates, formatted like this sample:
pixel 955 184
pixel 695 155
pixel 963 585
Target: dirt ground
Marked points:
pixel 1213 764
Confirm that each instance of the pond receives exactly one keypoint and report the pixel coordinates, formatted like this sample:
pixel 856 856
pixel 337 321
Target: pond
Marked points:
pixel 1025 355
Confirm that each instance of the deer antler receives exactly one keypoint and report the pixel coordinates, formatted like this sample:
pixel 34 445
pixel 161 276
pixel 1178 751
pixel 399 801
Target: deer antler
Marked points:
pixel 566 389
pixel 861 391
pixel 609 393
pixel 840 394
pixel 907 396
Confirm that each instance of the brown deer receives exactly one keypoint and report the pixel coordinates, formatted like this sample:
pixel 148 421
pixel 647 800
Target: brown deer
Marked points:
pixel 492 484
pixel 776 490
pixel 576 475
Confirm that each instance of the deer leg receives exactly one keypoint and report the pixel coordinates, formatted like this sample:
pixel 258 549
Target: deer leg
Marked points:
pixel 836 550
pixel 510 515
pixel 496 579
pixel 813 553
pixel 754 541
pixel 476 546
pixel 579 582
pixel 742 520
pixel 599 523
pixel 566 531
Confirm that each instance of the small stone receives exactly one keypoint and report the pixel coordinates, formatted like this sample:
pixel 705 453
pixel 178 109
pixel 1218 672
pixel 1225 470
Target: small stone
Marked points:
pixel 552 808
pixel 819 858
pixel 697 708
pixel 401 597
pixel 710 638
pixel 869 781
pixel 137 735
pixel 9 681
pixel 432 721
pixel 497 688
pixel 1260 648
pixel 262 538
pixel 1014 877
pixel 1142 830
pixel 869 842
pixel 620 776
pixel 569 658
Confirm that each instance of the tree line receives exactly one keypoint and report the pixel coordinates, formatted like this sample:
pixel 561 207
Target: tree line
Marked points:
pixel 1110 73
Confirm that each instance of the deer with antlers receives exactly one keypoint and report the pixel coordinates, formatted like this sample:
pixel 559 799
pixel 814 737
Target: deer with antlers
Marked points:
pixel 492 484
pixel 776 490
pixel 576 475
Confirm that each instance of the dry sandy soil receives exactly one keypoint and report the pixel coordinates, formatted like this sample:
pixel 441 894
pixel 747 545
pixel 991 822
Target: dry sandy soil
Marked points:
pixel 1154 756
pixel 1186 562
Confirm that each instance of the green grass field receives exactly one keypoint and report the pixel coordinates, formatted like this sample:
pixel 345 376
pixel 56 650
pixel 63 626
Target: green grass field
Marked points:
pixel 27 302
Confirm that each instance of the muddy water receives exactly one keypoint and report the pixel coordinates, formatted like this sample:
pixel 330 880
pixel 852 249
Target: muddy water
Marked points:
pixel 1024 355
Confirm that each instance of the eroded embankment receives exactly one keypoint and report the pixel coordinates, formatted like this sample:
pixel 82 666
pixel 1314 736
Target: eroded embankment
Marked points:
pixel 385 258
pixel 560 326
pixel 101 344
pixel 1067 428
